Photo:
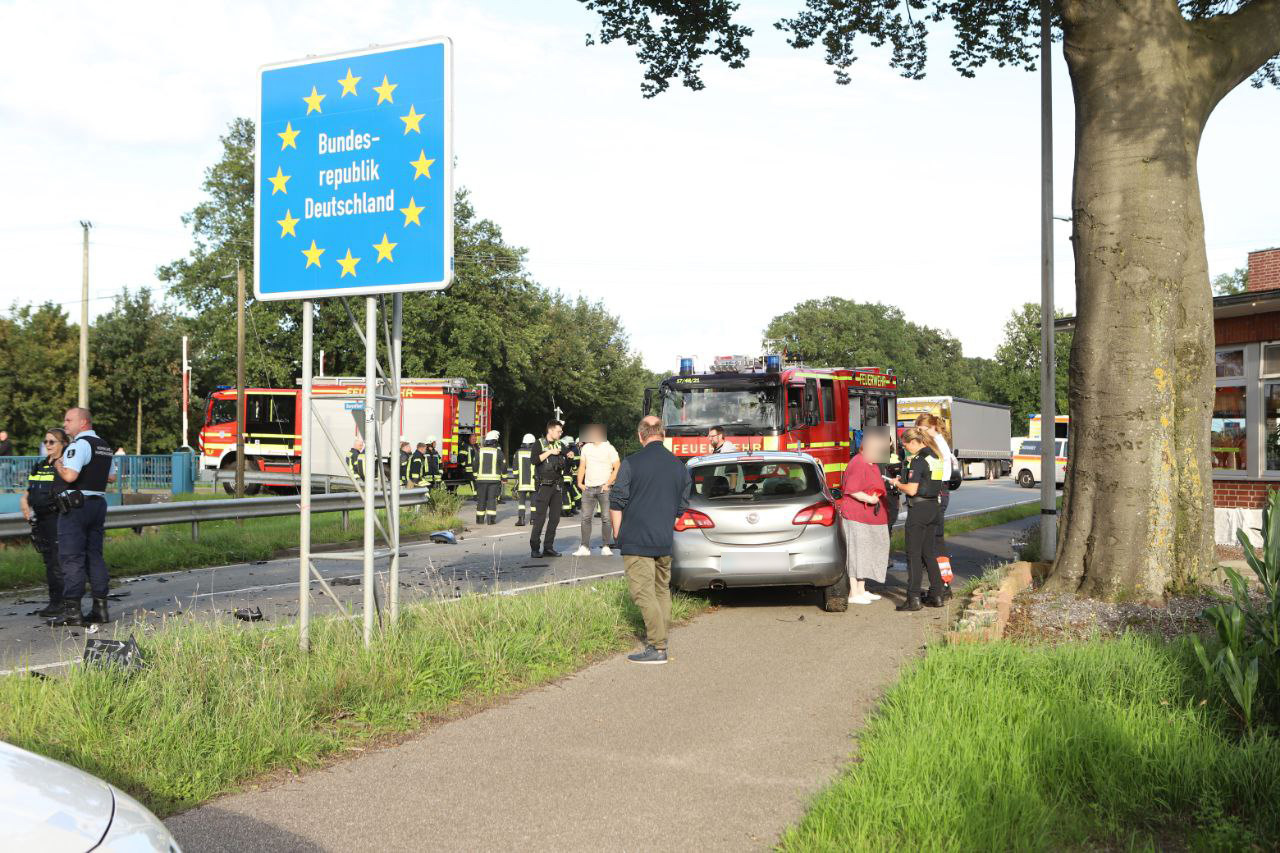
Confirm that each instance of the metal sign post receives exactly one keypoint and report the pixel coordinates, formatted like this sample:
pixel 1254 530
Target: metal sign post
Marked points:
pixel 354 197
pixel 1048 363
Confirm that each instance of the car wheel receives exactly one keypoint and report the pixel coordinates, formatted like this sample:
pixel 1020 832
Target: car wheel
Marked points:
pixel 1026 480
pixel 835 598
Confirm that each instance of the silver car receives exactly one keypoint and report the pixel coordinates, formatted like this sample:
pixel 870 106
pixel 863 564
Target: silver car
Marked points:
pixel 760 519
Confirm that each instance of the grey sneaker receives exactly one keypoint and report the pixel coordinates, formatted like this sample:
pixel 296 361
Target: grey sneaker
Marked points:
pixel 649 655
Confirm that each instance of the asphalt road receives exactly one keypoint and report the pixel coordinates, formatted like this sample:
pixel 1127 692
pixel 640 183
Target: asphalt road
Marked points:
pixel 485 559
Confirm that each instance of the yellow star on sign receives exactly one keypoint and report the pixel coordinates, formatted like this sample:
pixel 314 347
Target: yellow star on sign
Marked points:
pixel 313 101
pixel 384 91
pixel 349 84
pixel 348 265
pixel 411 213
pixel 413 121
pixel 384 249
pixel 288 139
pixel 278 180
pixel 313 255
pixel 286 224
pixel 422 165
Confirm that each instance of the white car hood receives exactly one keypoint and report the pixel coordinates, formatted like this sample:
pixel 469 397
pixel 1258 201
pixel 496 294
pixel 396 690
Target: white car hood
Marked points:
pixel 49 806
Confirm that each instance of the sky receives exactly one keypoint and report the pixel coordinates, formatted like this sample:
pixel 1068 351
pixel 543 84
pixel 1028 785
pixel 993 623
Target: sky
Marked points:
pixel 695 216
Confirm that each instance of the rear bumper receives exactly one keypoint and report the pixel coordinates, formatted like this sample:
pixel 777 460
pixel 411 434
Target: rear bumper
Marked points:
pixel 698 564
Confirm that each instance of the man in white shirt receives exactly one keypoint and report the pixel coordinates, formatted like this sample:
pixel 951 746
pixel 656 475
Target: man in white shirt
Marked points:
pixel 597 470
pixel 720 444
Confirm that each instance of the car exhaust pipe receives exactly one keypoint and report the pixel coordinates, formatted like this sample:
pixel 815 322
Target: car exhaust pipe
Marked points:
pixel 717 585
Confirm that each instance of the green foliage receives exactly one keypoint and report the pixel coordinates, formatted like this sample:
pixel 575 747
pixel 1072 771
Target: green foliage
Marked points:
pixel 1229 283
pixel 219 703
pixel 1015 379
pixel 1097 745
pixel 837 332
pixel 535 348
pixel 672 39
pixel 1245 671
pixel 136 354
pixel 39 358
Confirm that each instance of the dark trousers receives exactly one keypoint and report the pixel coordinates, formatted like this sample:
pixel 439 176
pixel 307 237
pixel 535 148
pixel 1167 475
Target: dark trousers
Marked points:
pixel 487 500
pixel 525 497
pixel 47 534
pixel 923 519
pixel 944 498
pixel 546 508
pixel 80 534
pixel 895 507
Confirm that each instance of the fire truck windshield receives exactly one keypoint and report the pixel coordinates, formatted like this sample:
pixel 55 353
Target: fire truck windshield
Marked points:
pixel 743 409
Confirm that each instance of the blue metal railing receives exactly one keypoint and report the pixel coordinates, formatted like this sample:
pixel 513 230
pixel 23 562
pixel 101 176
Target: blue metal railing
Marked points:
pixel 149 472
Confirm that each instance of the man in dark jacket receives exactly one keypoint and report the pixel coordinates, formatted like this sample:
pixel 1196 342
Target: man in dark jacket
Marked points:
pixel 650 493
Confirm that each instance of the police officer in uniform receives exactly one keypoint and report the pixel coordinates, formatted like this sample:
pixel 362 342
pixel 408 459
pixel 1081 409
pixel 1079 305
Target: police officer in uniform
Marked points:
pixel 522 473
pixel 40 508
pixel 490 462
pixel 355 460
pixel 921 484
pixel 418 466
pixel 548 474
pixel 893 498
pixel 86 468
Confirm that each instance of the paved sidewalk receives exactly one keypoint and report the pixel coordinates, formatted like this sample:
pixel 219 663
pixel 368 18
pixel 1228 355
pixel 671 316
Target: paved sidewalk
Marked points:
pixel 719 750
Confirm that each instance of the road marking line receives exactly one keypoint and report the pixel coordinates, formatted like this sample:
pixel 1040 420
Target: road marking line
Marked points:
pixel 38 666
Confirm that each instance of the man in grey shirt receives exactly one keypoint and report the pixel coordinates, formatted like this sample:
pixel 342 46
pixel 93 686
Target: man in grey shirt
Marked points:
pixel 650 493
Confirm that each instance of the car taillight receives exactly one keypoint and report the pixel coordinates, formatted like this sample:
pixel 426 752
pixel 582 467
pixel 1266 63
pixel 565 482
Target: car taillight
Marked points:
pixel 691 519
pixel 823 513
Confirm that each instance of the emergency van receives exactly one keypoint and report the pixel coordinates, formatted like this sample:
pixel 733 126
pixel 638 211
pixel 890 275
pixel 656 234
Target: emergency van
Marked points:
pixel 764 404
pixel 449 410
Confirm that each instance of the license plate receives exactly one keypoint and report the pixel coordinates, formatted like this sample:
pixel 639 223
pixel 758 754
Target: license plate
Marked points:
pixel 766 561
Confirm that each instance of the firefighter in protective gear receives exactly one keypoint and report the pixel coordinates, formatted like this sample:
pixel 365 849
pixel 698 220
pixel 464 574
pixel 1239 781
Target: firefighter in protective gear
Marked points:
pixel 434 468
pixel 523 483
pixel 406 453
pixel 489 465
pixel 571 494
pixel 355 460
pixel 417 470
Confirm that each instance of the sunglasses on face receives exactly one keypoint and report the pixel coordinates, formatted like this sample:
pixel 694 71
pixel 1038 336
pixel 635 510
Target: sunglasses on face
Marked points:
pixel 49 442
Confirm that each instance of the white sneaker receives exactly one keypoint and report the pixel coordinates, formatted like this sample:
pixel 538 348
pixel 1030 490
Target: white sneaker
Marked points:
pixel 583 551
pixel 872 596
pixel 865 598
pixel 606 551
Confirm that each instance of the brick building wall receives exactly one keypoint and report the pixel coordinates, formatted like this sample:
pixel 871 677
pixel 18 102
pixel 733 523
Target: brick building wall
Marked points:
pixel 1264 269
pixel 1241 494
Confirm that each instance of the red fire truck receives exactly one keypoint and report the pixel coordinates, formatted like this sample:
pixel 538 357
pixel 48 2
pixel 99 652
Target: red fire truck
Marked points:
pixel 448 410
pixel 763 404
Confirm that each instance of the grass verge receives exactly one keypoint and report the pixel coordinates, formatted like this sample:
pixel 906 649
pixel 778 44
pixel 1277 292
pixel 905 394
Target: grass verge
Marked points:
pixel 1085 745
pixel 969 523
pixel 170 547
pixel 219 703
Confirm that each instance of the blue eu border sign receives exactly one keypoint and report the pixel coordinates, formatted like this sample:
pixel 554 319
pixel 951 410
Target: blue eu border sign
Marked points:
pixel 354 192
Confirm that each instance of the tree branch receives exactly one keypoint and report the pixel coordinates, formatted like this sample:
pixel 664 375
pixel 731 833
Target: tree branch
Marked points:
pixel 1240 43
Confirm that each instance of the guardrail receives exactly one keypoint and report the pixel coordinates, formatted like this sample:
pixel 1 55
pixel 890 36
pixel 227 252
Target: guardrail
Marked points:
pixel 195 512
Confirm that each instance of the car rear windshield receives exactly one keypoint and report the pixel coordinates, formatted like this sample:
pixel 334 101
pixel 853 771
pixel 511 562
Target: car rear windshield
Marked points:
pixel 756 481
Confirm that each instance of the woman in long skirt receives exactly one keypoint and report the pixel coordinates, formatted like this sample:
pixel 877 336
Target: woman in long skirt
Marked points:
pixel 864 517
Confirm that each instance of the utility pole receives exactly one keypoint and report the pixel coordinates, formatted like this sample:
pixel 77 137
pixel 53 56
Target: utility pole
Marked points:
pixel 186 392
pixel 240 400
pixel 1048 363
pixel 84 320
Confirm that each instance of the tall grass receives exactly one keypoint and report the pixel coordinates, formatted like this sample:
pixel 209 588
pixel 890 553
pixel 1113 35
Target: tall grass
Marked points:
pixel 221 703
pixel 221 542
pixel 1008 747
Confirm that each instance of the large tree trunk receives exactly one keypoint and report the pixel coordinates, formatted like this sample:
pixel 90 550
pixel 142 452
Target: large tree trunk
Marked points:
pixel 1138 508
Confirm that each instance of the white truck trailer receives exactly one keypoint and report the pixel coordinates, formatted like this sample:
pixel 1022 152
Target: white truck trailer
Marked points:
pixel 979 431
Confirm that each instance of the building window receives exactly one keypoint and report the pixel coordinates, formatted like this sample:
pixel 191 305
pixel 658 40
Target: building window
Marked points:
pixel 1271 360
pixel 1229 363
pixel 1230 428
pixel 1271 439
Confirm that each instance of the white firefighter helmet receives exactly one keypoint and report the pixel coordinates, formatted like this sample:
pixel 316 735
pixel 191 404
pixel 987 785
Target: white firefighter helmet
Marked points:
pixel 491 435
pixel 528 438
pixel 431 439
